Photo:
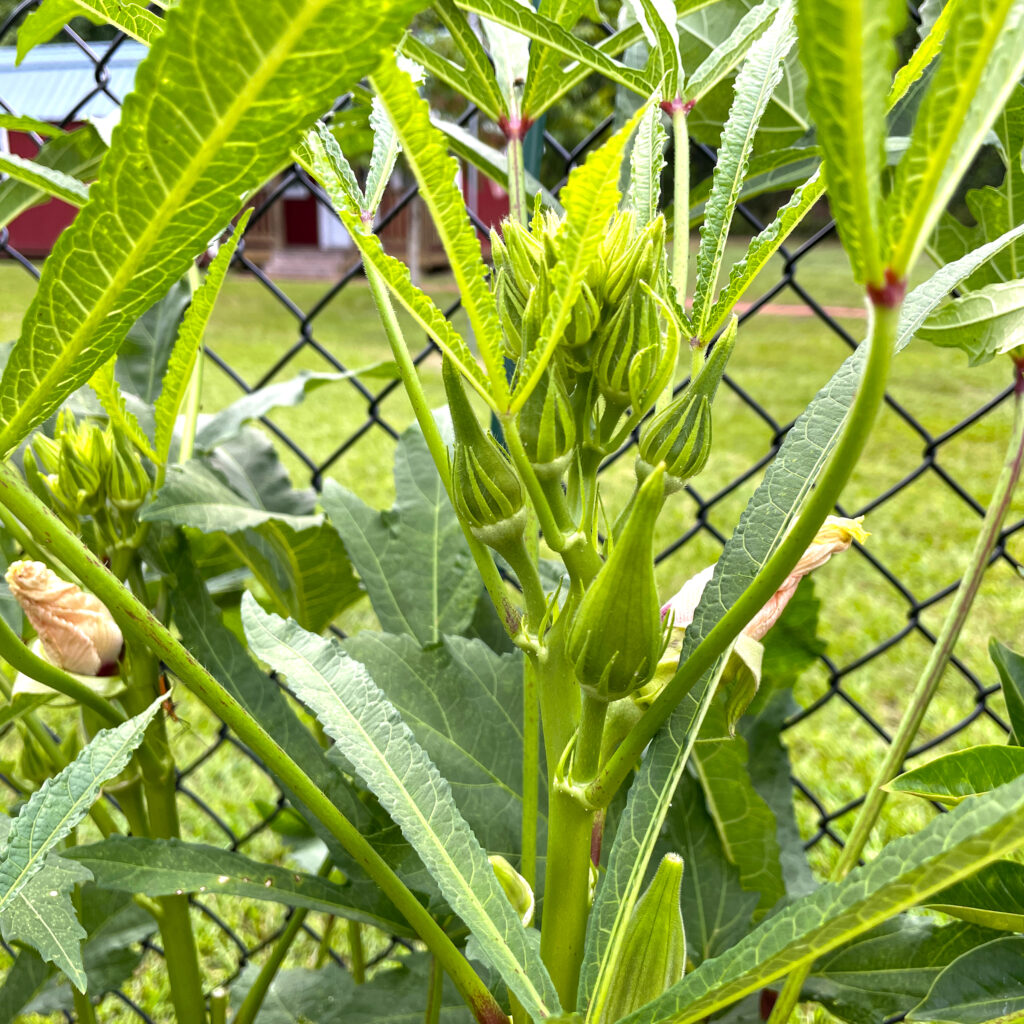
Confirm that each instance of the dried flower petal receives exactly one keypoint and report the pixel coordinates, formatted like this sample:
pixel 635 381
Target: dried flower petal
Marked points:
pixel 77 632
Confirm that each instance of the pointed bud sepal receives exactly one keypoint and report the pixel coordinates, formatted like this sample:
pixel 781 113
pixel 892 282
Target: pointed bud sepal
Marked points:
pixel 653 955
pixel 547 427
pixel 129 482
pixel 617 637
pixel 487 493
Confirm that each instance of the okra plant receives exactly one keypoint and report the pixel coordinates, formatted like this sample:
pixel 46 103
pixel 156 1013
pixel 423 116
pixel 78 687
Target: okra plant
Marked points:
pixel 565 789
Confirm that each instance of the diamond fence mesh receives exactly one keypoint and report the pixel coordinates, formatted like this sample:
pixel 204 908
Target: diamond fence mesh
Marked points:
pixel 925 488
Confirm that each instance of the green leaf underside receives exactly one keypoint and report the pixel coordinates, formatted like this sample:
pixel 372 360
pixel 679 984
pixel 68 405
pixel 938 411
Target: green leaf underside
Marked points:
pixel 43 916
pixel 982 59
pixel 183 155
pixel 413 559
pixel 777 499
pixel 326 164
pixel 755 83
pixel 189 342
pixel 20 123
pixel 646 162
pixel 62 801
pixel 478 74
pixel 954 777
pixel 224 656
pixel 76 154
pixel 1010 666
pixel 427 155
pixel 981 986
pixel 993 898
pixel 370 733
pixel 167 867
pixel 907 872
pixel 590 196
pixel 396 995
pixel 847 48
pixel 984 323
pixel 463 704
pixel 888 970
pixel 53 182
pixel 130 16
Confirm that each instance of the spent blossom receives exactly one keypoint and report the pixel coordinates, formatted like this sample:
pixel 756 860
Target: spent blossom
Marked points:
pixel 76 631
pixel 836 534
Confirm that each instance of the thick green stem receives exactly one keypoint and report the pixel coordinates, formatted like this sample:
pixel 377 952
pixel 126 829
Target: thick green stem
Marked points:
pixel 566 892
pixel 531 773
pixel 819 504
pixel 518 201
pixel 356 952
pixel 680 203
pixel 586 758
pixel 137 622
pixel 874 801
pixel 435 990
pixel 85 1012
pixel 435 444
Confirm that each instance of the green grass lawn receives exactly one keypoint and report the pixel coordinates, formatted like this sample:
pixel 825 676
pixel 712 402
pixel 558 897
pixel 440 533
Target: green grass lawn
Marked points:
pixel 922 535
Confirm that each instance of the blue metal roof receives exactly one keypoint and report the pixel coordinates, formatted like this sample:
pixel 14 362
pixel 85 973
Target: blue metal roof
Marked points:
pixel 60 79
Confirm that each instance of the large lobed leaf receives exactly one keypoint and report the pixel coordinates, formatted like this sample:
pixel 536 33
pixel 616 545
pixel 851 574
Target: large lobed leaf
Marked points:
pixel 370 733
pixel 908 871
pixel 755 84
pixel 214 113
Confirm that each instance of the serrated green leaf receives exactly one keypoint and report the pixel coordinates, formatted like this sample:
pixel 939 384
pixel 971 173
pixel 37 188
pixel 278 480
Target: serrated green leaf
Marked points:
pixel 763 524
pixel 189 342
pixel 982 59
pixel 479 84
pixel 186 151
pixel 545 61
pixel 745 823
pixel 993 898
pixel 194 495
pixel 220 651
pixel 131 16
pixel 646 162
pixel 847 48
pixel 226 424
pixel 951 778
pixel 478 750
pixel 427 156
pixel 62 801
pixel 386 145
pixel 104 383
pixel 717 910
pixel 325 162
pixel 657 18
pixel 167 867
pixel 908 871
pixel 413 559
pixel 757 80
pixel 43 916
pixel 544 30
pixel 724 57
pixel 888 970
pixel 1010 667
pixel 981 986
pixel 590 196
pixel 45 179
pixel 510 52
pixel 370 733
pixel 984 323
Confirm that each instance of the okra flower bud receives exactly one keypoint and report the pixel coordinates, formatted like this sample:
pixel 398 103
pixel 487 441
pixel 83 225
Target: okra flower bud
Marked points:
pixel 653 956
pixel 129 481
pixel 642 260
pixel 488 495
pixel 627 347
pixel 84 467
pixel 76 631
pixel 516 888
pixel 547 427
pixel 616 639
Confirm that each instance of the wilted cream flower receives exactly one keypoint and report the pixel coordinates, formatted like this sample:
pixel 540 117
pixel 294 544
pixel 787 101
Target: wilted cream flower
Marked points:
pixel 836 534
pixel 77 632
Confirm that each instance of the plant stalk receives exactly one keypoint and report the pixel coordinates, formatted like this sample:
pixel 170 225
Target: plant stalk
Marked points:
pixel 931 676
pixel 138 622
pixel 819 504
pixel 680 203
pixel 435 991
pixel 493 583
pixel 518 201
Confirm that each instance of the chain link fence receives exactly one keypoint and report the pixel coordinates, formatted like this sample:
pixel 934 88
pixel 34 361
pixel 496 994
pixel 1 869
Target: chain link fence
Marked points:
pixel 838 697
